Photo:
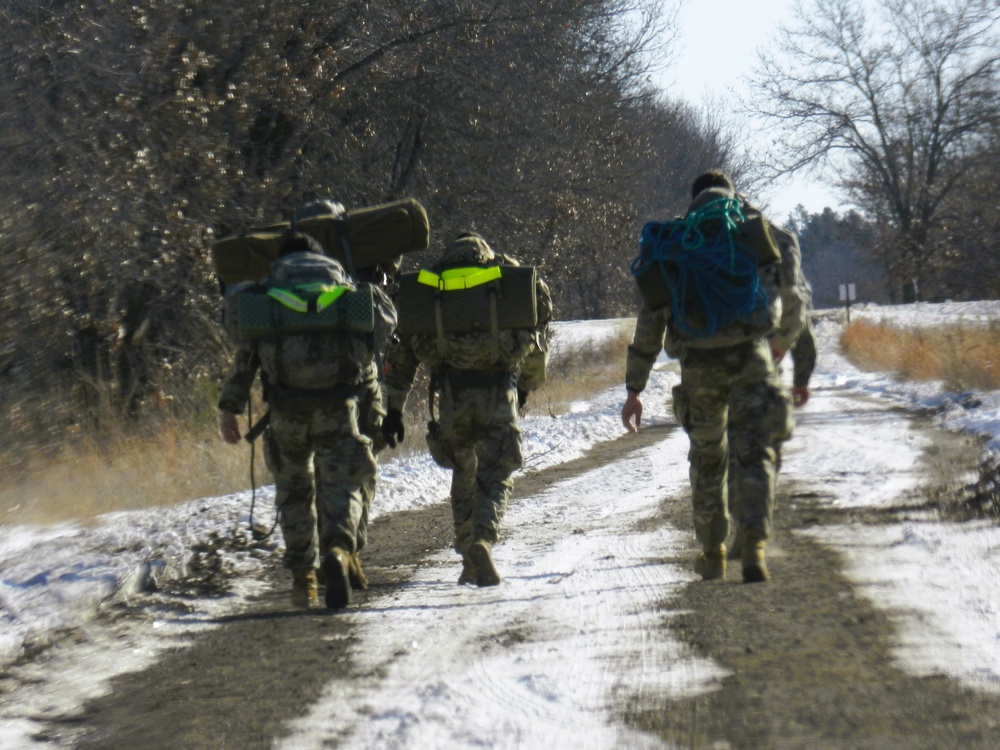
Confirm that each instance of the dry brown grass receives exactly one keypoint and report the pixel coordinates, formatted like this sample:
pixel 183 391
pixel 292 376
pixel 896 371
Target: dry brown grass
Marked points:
pixel 122 471
pixel 962 357
pixel 113 466
pixel 581 371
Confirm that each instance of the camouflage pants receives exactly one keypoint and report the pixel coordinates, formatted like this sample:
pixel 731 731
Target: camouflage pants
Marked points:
pixel 480 441
pixel 735 412
pixel 321 464
pixel 370 413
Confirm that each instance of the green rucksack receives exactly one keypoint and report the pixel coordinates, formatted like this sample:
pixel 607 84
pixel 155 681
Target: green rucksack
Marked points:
pixel 304 293
pixel 359 239
pixel 313 327
pixel 467 300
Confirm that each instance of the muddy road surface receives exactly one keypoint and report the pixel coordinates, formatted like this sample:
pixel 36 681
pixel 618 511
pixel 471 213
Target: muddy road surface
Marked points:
pixel 804 661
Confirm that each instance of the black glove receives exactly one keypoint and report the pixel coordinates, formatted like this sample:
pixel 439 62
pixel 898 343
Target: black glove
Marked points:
pixel 392 427
pixel 522 398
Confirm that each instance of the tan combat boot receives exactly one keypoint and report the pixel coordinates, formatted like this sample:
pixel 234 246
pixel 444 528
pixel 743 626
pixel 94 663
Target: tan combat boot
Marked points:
pixel 711 562
pixel 338 586
pixel 468 570
pixel 754 565
pixel 305 592
pixel 486 572
pixel 357 577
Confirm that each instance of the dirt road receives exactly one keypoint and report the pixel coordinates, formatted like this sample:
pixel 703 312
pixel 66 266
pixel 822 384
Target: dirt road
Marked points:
pixel 809 660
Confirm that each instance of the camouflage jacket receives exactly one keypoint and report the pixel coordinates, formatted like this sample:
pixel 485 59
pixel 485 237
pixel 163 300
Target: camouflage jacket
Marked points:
pixel 796 294
pixel 803 354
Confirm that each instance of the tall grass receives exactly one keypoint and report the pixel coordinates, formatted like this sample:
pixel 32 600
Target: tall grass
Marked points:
pixel 961 357
pixel 112 464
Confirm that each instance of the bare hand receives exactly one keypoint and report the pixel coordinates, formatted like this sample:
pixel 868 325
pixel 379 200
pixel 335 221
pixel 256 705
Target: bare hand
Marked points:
pixel 632 408
pixel 800 394
pixel 229 426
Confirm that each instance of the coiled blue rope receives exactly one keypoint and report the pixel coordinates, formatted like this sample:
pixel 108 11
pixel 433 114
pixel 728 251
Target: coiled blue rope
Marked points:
pixel 712 273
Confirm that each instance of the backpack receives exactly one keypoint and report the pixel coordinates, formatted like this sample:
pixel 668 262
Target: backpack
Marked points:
pixel 706 267
pixel 313 327
pixel 470 299
pixel 360 239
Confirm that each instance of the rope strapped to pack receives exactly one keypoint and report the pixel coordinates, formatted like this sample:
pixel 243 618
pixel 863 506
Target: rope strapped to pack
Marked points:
pixel 707 271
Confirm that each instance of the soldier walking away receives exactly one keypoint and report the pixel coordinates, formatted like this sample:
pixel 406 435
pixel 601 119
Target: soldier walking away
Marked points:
pixel 313 372
pixel 371 409
pixel 483 362
pixel 718 269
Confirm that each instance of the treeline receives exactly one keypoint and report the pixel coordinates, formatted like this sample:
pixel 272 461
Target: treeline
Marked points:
pixel 900 100
pixel 134 133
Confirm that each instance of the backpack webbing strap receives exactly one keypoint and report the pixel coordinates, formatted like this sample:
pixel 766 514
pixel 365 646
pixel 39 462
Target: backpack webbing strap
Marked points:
pixel 439 324
pixel 347 253
pixel 494 319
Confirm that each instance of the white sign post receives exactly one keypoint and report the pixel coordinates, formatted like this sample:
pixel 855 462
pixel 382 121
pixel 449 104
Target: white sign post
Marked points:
pixel 848 293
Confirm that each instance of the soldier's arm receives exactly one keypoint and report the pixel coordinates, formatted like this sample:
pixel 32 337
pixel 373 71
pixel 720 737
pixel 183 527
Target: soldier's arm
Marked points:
pixel 804 358
pixel 535 367
pixel 793 290
pixel 401 365
pixel 647 343
pixel 239 380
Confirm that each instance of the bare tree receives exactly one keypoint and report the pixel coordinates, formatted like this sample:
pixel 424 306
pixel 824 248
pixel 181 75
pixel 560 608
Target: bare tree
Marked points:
pixel 897 107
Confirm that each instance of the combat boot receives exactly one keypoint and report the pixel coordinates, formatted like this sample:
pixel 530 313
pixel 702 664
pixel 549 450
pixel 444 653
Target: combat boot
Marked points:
pixel 468 574
pixel 305 592
pixel 754 565
pixel 357 577
pixel 711 562
pixel 482 560
pixel 338 586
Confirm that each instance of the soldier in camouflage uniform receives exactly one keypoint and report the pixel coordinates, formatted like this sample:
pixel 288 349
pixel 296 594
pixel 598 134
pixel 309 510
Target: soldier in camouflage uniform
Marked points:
pixel 320 460
pixel 480 380
pixel 371 409
pixel 730 399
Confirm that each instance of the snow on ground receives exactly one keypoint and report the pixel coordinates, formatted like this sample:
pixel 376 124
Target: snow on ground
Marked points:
pixel 55 581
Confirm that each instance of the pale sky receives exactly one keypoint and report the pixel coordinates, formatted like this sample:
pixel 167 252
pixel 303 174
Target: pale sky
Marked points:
pixel 739 27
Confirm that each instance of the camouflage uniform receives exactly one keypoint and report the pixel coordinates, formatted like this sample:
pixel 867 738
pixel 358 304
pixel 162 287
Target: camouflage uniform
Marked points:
pixel 731 404
pixel 476 378
pixel 803 353
pixel 321 462
pixel 370 413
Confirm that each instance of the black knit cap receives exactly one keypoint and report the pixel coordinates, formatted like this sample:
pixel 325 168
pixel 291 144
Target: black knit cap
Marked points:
pixel 712 178
pixel 300 242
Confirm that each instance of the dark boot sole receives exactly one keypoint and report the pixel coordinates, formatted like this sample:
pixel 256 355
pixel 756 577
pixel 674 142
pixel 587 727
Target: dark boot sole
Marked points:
pixel 338 587
pixel 486 572
pixel 755 574
pixel 710 569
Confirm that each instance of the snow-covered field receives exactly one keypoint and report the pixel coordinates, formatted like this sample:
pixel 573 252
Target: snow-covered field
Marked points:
pixel 56 581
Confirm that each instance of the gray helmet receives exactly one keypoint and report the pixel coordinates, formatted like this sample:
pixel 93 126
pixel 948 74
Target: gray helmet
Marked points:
pixel 467 249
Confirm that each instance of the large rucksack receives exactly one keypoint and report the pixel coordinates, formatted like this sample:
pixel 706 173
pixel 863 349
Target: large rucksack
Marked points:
pixel 706 268
pixel 471 299
pixel 313 326
pixel 359 239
